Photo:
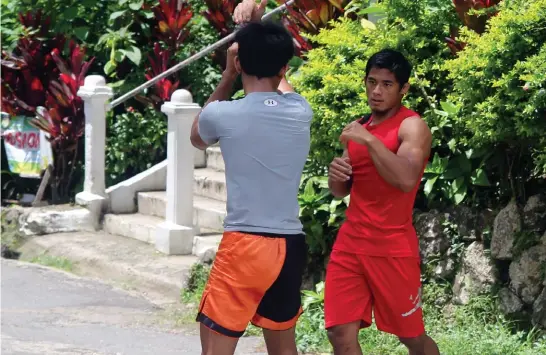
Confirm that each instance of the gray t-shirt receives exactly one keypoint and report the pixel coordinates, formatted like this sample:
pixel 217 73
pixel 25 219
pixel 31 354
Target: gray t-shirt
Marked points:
pixel 265 140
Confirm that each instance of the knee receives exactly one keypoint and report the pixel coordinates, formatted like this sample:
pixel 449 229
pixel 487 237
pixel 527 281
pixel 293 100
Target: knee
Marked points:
pixel 341 337
pixel 415 345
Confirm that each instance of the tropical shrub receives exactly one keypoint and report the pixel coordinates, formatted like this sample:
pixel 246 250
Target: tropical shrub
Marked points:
pixel 135 142
pixel 499 83
pixel 38 82
pixel 468 164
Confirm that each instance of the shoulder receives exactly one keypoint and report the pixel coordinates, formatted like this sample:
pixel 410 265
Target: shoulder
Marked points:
pixel 414 127
pixel 306 109
pixel 297 98
pixel 213 109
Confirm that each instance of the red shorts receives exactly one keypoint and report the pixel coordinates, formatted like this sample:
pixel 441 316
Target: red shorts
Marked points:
pixel 390 286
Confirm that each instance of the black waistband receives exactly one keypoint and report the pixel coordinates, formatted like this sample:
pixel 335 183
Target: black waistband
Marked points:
pixel 274 235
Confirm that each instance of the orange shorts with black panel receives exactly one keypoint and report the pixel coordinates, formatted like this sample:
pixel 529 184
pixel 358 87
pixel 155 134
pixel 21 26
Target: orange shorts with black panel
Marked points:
pixel 254 278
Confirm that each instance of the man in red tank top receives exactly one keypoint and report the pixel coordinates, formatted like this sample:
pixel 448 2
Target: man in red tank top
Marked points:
pixel 375 265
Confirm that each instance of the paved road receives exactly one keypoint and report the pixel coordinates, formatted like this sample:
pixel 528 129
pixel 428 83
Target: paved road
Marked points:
pixel 45 311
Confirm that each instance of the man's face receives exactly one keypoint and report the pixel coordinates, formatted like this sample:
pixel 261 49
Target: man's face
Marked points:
pixel 383 90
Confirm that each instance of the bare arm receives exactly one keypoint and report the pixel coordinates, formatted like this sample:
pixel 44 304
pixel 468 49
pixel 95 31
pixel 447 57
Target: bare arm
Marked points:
pixel 339 176
pixel 285 86
pixel 403 169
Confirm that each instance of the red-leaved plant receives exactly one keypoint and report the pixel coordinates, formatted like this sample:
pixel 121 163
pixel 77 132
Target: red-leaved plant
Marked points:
pixel 37 82
pixel 160 61
pixel 475 22
pixel 27 71
pixel 219 14
pixel 172 17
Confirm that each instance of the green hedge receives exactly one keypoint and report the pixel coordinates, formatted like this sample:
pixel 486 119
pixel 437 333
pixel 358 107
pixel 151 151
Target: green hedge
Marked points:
pixel 485 105
pixel 499 83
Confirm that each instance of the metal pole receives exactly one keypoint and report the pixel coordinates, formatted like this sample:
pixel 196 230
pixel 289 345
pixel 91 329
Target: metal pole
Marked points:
pixel 189 60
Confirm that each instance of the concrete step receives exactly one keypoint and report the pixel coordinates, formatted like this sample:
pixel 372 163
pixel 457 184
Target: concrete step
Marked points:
pixel 203 243
pixel 136 226
pixel 214 158
pixel 210 183
pixel 208 214
pixel 123 262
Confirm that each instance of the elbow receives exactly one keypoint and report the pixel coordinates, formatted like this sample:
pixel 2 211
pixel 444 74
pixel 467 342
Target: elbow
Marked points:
pixel 407 185
pixel 197 142
pixel 338 194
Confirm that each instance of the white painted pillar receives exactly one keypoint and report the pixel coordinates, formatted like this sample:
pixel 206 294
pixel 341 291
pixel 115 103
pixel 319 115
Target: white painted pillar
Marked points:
pixel 95 95
pixel 175 235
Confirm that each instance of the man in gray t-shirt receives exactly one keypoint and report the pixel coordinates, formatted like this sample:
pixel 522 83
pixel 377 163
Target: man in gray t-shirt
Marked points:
pixel 264 138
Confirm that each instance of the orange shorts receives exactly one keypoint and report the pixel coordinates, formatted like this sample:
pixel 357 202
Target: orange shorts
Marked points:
pixel 254 278
pixel 390 286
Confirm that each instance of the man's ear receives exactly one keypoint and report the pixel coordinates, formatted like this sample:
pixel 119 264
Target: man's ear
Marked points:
pixel 238 65
pixel 283 71
pixel 405 89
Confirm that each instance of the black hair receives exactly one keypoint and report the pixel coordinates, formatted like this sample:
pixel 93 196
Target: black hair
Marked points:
pixel 393 61
pixel 264 48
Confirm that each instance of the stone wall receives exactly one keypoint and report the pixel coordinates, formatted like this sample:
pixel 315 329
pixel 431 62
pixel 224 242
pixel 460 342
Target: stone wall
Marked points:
pixel 482 252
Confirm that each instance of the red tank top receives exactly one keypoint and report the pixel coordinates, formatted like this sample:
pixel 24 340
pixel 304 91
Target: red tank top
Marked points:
pixel 379 219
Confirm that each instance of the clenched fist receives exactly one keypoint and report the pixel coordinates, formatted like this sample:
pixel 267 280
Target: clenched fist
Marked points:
pixel 340 169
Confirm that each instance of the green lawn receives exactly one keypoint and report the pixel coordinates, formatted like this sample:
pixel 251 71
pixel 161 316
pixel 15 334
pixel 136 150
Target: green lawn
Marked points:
pixel 477 328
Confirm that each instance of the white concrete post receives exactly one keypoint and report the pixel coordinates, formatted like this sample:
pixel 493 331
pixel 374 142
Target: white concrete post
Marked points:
pixel 175 235
pixel 95 95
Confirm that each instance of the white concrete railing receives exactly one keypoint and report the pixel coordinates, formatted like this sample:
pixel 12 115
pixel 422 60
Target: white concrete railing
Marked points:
pixel 175 234
pixel 95 95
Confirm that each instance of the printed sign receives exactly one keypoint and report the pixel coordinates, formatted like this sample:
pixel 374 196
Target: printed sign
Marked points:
pixel 27 148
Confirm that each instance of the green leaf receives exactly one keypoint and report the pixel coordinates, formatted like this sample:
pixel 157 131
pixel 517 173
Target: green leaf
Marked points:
pixel 457 184
pixel 295 61
pixel 429 185
pixel 322 182
pixel 119 55
pixel 452 144
pixel 458 190
pixel 133 54
pixel 479 178
pixel 458 166
pixel 333 205
pixel 109 68
pixel 441 113
pixel 309 190
pixel 324 207
pixel 116 14
pixel 122 2
pixel 88 3
pixel 459 197
pixel 116 84
pixel 437 166
pixel 316 229
pixel 136 5
pixel 81 32
pixel 449 108
pixel 367 24
pixel 372 10
pixel 70 13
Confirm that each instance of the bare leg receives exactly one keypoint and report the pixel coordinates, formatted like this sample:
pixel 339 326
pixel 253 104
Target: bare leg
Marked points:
pixel 421 345
pixel 344 339
pixel 281 342
pixel 213 343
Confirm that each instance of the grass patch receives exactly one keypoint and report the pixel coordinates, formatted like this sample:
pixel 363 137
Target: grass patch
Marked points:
pixel 10 236
pixel 53 261
pixel 476 328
